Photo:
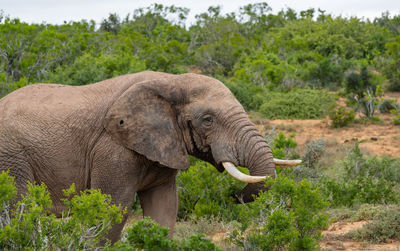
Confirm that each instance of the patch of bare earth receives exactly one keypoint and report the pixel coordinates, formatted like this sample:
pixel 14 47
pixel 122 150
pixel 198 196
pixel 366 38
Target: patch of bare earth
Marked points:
pixel 334 239
pixel 379 139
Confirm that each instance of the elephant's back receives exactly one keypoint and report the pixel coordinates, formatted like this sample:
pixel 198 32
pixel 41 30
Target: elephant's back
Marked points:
pixel 49 104
pixel 37 98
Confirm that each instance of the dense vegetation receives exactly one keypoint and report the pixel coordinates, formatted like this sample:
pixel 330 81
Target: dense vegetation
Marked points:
pixel 253 51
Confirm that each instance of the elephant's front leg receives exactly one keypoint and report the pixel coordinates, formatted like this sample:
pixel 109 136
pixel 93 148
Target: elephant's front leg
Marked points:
pixel 161 204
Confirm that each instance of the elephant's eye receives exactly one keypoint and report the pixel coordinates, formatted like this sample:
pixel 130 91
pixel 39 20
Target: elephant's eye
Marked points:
pixel 207 120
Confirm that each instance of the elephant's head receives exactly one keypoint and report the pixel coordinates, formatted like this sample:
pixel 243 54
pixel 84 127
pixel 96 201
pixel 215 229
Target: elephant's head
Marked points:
pixel 169 119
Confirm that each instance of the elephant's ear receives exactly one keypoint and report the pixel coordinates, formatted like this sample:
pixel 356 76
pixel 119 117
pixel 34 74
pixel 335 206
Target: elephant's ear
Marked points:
pixel 145 121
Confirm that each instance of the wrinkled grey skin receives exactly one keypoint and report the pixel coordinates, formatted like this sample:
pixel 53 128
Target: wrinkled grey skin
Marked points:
pixel 127 135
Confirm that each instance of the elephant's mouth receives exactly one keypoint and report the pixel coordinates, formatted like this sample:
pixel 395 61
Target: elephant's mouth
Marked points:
pixel 202 152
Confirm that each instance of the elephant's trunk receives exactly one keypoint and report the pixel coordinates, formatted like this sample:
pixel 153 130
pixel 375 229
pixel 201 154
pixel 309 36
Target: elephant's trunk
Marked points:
pixel 254 153
pixel 248 149
pixel 257 157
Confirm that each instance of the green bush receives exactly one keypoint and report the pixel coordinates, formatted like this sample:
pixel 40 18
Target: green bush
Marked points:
pixel 357 83
pixel 204 192
pixel 340 116
pixel 386 105
pixel 260 69
pixel 297 104
pixel 363 180
pixel 147 235
pixel 290 216
pixel 29 224
pixel 283 147
pixel 396 119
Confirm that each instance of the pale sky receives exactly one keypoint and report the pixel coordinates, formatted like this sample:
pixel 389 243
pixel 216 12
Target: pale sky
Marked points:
pixel 57 11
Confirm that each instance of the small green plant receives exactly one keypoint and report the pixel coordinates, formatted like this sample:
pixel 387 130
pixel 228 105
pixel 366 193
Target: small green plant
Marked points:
pixel 290 217
pixel 284 147
pixel 340 116
pixel 363 92
pixel 396 119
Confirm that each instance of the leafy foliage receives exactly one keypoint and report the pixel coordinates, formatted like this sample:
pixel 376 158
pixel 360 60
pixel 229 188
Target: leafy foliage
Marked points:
pixel 30 224
pixel 299 104
pixel 340 116
pixel 290 216
pixel 364 180
pixel 147 235
pixel 284 147
pixel 204 192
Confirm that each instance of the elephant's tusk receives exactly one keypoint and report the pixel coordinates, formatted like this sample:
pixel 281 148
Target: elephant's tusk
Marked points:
pixel 232 170
pixel 287 163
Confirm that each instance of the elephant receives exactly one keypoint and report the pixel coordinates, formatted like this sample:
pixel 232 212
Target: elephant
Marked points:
pixel 128 136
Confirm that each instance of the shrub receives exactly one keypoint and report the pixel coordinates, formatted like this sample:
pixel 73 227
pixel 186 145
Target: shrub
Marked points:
pixel 88 69
pixel 297 104
pixel 260 69
pixel 340 116
pixel 290 216
pixel 384 226
pixel 396 119
pixel 357 83
pixel 284 147
pixel 363 180
pixel 365 93
pixel 367 212
pixel 386 105
pixel 32 226
pixel 204 192
pixel 314 151
pixel 147 235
